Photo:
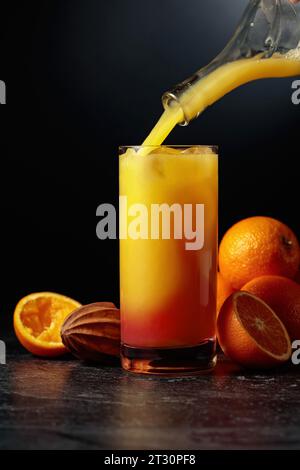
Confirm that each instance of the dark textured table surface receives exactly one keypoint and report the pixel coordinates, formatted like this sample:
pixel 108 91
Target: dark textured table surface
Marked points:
pixel 66 404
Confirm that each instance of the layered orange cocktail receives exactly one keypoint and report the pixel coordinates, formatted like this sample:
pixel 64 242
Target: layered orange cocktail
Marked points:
pixel 168 257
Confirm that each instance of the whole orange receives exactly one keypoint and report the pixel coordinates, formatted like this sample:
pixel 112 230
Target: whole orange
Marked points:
pixel 283 296
pixel 255 247
pixel 250 333
pixel 224 290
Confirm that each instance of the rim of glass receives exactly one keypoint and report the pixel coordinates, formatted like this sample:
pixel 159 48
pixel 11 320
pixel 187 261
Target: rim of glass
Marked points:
pixel 123 148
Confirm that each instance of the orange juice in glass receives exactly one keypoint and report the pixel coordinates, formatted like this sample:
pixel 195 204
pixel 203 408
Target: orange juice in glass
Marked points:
pixel 168 258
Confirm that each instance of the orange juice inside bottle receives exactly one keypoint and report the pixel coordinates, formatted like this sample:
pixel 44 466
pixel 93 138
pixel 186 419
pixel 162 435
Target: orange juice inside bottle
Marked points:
pixel 168 292
pixel 195 98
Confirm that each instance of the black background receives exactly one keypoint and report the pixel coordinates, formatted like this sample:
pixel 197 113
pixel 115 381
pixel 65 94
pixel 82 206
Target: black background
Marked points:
pixel 84 76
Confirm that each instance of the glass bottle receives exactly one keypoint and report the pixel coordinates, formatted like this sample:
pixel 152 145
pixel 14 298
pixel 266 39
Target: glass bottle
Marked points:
pixel 265 44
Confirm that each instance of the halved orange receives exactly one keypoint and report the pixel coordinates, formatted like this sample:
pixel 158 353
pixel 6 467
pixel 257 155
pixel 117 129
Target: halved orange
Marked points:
pixel 38 319
pixel 250 333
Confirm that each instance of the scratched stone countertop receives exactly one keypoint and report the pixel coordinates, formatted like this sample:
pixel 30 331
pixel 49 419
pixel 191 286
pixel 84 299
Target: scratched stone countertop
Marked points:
pixel 67 404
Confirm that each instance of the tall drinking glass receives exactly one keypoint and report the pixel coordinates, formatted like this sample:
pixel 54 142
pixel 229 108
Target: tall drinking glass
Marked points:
pixel 168 258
